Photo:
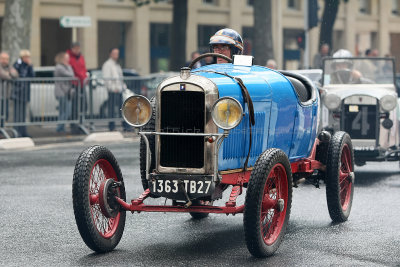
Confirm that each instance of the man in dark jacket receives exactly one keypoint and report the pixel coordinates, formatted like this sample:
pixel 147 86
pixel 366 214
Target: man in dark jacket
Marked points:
pixel 21 92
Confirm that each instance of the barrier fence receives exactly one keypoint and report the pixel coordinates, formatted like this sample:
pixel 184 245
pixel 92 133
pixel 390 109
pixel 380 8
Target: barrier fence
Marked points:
pixel 60 102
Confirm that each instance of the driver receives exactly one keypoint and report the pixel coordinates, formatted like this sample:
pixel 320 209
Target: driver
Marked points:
pixel 226 42
pixel 342 68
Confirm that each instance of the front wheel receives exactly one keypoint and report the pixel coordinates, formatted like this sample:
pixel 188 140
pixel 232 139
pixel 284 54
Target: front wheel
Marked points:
pixel 97 180
pixel 268 203
pixel 340 177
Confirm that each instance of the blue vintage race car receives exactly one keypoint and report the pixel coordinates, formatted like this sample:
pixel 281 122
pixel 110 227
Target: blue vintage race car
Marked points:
pixel 238 125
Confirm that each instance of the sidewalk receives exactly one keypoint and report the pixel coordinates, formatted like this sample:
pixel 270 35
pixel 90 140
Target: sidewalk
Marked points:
pixel 43 135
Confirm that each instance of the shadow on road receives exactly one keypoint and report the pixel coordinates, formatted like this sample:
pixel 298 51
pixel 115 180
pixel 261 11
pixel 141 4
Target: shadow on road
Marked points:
pixel 368 178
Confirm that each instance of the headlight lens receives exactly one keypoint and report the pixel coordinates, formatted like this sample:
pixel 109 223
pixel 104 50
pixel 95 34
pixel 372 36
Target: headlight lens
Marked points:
pixel 136 110
pixel 388 102
pixel 227 113
pixel 332 101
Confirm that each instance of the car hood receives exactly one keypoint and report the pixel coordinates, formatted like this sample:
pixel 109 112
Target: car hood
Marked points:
pixel 374 90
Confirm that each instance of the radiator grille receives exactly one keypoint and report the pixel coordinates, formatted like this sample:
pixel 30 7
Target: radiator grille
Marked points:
pixel 182 112
pixel 360 121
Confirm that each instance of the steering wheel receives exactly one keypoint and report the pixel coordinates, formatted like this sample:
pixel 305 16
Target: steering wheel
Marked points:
pixel 209 55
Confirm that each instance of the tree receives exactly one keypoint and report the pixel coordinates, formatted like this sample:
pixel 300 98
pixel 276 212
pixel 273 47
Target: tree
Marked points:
pixel 328 21
pixel 263 45
pixel 178 32
pixel 16 29
pixel 178 35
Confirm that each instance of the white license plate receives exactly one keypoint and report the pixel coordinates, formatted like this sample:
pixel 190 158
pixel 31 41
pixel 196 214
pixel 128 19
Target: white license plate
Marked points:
pixel 173 186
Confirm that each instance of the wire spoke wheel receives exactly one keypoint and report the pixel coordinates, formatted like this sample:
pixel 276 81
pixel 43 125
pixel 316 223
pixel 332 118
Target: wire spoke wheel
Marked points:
pixel 268 203
pixel 102 170
pixel 340 177
pixel 99 219
pixel 275 192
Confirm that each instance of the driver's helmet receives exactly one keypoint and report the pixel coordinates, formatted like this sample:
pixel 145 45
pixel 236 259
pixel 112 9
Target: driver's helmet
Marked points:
pixel 342 56
pixel 229 37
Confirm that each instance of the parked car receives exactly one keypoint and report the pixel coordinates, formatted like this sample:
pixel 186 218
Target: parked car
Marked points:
pixel 211 128
pixel 361 99
pixel 44 105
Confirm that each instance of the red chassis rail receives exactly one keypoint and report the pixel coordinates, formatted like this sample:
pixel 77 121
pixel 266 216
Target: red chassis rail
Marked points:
pixel 236 179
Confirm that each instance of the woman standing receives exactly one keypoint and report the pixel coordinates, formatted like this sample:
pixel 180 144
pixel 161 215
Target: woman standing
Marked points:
pixel 64 89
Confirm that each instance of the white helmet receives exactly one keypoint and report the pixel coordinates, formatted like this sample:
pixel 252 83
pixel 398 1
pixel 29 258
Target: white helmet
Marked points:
pixel 342 53
pixel 342 56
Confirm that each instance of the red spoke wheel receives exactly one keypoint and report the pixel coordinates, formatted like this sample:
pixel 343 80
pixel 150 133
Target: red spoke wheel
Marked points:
pixel 97 180
pixel 268 203
pixel 340 177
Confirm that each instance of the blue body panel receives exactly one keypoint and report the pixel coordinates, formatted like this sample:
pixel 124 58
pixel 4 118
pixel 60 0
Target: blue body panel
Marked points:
pixel 281 120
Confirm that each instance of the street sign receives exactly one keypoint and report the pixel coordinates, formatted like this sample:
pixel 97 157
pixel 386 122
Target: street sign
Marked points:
pixel 75 21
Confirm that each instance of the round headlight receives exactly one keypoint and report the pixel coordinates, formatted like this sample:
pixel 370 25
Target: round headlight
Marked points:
pixel 136 110
pixel 227 113
pixel 332 101
pixel 388 102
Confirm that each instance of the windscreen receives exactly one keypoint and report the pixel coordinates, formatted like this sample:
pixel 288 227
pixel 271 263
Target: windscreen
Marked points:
pixel 358 71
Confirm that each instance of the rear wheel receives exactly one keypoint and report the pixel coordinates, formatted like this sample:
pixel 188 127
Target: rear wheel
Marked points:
pixel 99 218
pixel 340 177
pixel 268 203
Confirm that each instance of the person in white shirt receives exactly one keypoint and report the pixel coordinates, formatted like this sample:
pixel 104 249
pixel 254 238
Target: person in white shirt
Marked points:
pixel 113 79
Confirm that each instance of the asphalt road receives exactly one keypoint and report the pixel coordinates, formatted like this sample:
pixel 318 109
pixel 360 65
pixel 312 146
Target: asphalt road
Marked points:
pixel 38 226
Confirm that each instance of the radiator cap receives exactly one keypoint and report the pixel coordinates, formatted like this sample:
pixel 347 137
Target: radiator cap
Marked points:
pixel 185 73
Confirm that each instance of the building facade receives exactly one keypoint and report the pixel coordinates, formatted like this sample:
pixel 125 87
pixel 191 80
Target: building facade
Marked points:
pixel 142 33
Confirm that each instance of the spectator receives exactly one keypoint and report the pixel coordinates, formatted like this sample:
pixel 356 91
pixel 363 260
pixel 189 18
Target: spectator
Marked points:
pixel 77 62
pixel 271 63
pixel 194 55
pixel 318 58
pixel 21 92
pixel 369 68
pixel 112 73
pixel 7 73
pixel 64 90
pixel 372 52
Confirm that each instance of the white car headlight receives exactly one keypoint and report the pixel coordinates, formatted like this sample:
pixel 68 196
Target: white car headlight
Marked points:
pixel 332 101
pixel 388 102
pixel 227 113
pixel 136 110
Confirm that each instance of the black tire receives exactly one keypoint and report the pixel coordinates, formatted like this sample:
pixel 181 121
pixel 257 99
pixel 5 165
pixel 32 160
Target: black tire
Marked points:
pixel 340 177
pixel 198 215
pixel 96 164
pixel 271 174
pixel 150 126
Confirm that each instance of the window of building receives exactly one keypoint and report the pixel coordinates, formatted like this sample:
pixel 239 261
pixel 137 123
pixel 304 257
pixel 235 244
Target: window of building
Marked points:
pixel 294 4
pixel 365 7
pixel 396 7
pixel 159 46
pixel 204 32
pixel 250 3
pixel 210 2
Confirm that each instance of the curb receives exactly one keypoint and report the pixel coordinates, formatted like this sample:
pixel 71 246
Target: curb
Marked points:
pixel 16 143
pixel 104 137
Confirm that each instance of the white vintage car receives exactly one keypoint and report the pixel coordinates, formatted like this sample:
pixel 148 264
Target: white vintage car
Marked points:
pixel 359 96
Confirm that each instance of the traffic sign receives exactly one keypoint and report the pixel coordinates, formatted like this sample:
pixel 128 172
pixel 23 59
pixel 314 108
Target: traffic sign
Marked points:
pixel 75 21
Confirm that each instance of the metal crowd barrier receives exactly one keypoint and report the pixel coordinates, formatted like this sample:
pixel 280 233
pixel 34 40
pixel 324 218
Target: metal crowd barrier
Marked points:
pixel 33 101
